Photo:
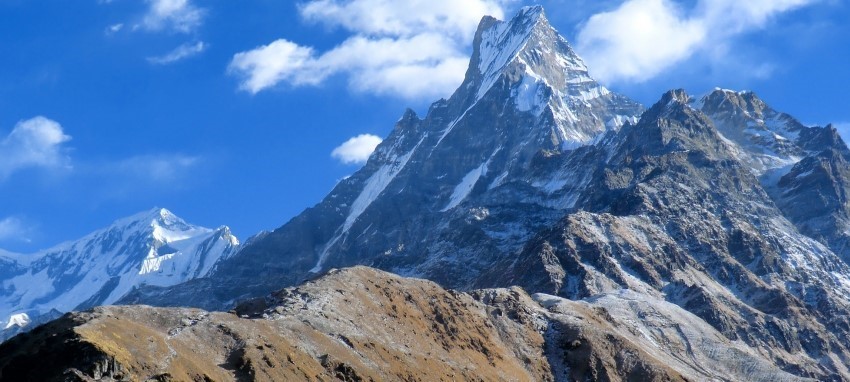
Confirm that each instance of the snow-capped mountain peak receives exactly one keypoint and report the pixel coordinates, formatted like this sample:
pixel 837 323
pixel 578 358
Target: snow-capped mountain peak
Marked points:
pixel 545 78
pixel 154 247
pixel 500 43
pixel 526 45
pixel 156 219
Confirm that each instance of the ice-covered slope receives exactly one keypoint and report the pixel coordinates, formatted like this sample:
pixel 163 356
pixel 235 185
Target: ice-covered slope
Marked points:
pixel 151 248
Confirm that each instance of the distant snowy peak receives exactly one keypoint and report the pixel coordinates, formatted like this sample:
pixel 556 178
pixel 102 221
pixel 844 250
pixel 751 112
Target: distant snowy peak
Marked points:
pixel 161 226
pixel 167 228
pixel 161 223
pixel 18 320
pixel 748 107
pixel 154 247
pixel 164 241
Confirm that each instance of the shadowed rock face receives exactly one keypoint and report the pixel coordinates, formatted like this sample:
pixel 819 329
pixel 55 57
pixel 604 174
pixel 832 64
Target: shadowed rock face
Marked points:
pixel 362 324
pixel 814 193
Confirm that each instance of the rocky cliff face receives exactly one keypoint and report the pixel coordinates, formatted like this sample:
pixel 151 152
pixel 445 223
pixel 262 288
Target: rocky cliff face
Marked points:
pixel 362 324
pixel 670 215
pixel 813 194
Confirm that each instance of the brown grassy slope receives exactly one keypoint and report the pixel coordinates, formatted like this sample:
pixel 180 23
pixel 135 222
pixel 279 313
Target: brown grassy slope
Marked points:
pixel 356 324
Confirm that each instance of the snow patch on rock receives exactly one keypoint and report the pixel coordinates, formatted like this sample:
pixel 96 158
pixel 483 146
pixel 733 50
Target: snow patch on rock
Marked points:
pixel 466 185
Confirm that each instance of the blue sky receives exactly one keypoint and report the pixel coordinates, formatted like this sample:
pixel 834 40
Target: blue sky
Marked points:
pixel 235 113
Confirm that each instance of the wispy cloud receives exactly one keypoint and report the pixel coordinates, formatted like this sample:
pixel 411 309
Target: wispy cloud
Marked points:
pixel 176 15
pixel 159 168
pixel 412 49
pixel 180 53
pixel 357 149
pixel 37 142
pixel 114 28
pixel 140 176
pixel 180 16
pixel 642 38
pixel 14 229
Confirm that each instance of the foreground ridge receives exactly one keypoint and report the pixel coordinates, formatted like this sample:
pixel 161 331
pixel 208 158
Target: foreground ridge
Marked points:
pixel 365 324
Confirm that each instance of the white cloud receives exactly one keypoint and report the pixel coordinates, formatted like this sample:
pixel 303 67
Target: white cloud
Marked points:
pixel 36 142
pixel 412 49
pixel 634 40
pixel 739 16
pixel 423 65
pixel 114 28
pixel 643 38
pixel 181 52
pixel 403 18
pixel 356 150
pixel 178 15
pixel 279 61
pixel 12 228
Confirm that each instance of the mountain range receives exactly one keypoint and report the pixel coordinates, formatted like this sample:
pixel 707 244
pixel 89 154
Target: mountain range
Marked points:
pixel 700 238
